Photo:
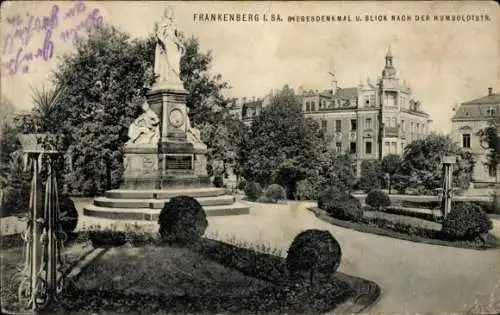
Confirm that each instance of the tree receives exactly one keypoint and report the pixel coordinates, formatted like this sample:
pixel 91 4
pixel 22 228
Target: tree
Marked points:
pixel 490 140
pixel 421 167
pixel 371 175
pixel 390 165
pixel 103 83
pixel 282 146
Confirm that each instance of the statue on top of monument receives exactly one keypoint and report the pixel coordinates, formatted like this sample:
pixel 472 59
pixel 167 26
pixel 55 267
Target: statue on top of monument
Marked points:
pixel 145 129
pixel 169 49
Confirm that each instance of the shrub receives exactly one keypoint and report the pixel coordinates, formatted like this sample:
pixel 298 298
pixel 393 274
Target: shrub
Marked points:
pixel 265 199
pixel 313 251
pixel 218 181
pixel 182 220
pixel 349 210
pixel 241 185
pixel 253 190
pixel 466 221
pixel 107 238
pixel 306 190
pixel 69 215
pixel 334 196
pixel 275 192
pixel 371 175
pixel 378 199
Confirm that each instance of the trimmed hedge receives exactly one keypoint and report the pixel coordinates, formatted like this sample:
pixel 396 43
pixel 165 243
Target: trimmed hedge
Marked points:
pixel 182 220
pixel 377 199
pixel 313 251
pixel 466 221
pixel 275 192
pixel 253 190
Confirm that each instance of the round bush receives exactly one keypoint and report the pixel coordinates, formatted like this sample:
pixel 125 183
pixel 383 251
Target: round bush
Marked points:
pixel 275 192
pixel 253 190
pixel 218 181
pixel 265 199
pixel 332 196
pixel 377 199
pixel 182 220
pixel 313 251
pixel 68 214
pixel 466 221
pixel 349 210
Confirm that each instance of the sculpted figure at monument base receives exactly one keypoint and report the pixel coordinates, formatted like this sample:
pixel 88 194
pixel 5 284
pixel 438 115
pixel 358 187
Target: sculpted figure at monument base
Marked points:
pixel 145 130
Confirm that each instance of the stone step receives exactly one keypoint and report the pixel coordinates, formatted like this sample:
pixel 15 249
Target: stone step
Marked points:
pixel 147 214
pixel 164 193
pixel 158 203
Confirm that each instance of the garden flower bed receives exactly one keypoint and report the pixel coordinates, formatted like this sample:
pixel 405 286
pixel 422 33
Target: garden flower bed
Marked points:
pixel 404 227
pixel 209 277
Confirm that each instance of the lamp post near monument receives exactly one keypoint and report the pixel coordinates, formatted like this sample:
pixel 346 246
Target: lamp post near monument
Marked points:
pixel 164 156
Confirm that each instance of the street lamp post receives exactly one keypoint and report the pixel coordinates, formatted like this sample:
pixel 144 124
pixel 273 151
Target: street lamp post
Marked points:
pixel 41 279
pixel 448 162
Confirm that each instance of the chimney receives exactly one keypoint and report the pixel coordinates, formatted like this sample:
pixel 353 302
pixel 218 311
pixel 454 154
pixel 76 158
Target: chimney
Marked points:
pixel 490 91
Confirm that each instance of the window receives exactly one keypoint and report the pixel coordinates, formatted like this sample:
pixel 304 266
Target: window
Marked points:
pixel 418 127
pixel 393 122
pixel 308 107
pixel 387 148
pixel 324 125
pixel 394 148
pixel 387 121
pixel 354 125
pixel 372 100
pixel 367 100
pixel 368 123
pixel 352 148
pixel 338 147
pixel 466 140
pixel 492 170
pixel 338 125
pixel 403 125
pixel 368 148
pixel 313 106
pixel 411 127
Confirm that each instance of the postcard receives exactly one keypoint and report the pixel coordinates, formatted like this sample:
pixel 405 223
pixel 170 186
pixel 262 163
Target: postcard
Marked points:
pixel 336 157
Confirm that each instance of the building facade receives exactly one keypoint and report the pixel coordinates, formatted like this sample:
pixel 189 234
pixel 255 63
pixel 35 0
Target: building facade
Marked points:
pixel 370 120
pixel 471 117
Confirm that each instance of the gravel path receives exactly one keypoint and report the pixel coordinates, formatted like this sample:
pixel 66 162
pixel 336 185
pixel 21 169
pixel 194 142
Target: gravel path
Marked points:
pixel 414 277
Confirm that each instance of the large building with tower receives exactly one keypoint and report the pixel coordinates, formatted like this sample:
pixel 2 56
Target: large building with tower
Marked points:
pixel 369 121
pixel 471 117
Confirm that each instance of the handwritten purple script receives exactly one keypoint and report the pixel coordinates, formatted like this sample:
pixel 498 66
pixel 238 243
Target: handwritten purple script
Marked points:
pixel 24 28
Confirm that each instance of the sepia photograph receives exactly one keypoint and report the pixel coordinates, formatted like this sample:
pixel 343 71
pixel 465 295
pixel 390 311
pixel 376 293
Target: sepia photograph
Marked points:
pixel 250 157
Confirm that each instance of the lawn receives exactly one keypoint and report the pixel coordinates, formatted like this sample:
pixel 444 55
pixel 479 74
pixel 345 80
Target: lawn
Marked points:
pixel 12 259
pixel 211 277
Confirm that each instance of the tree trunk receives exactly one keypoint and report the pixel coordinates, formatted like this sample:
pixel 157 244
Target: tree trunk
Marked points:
pixel 390 184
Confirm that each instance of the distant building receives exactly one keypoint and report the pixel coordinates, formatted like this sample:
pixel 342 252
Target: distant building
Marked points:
pixel 470 117
pixel 370 120
pixel 250 108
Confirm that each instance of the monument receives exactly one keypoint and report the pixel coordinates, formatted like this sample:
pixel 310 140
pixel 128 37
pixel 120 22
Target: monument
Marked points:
pixel 164 156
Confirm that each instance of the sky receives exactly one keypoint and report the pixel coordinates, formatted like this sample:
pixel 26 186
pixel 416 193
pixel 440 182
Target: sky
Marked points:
pixel 444 63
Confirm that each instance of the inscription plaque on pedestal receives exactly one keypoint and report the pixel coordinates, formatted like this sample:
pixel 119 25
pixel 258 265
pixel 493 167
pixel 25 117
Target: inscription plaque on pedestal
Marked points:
pixel 179 161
